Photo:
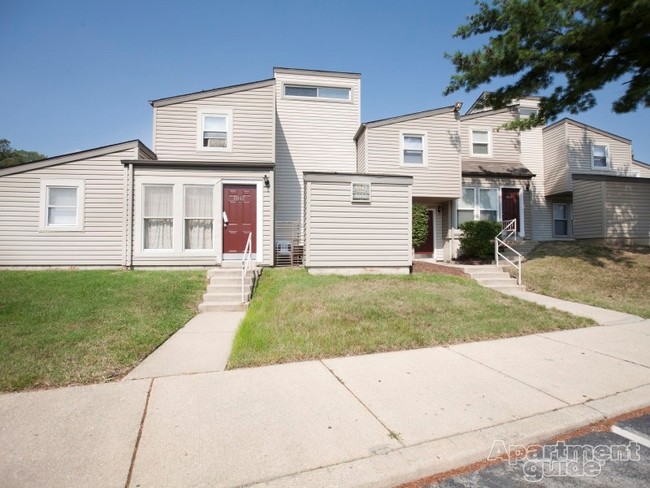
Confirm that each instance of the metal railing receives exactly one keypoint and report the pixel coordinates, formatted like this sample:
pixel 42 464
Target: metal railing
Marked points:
pixel 509 230
pixel 246 264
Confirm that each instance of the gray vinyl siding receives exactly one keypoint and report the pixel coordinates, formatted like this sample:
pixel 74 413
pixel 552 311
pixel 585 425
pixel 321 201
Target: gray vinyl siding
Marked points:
pixel 362 166
pixel 176 127
pixel 579 142
pixel 346 234
pixel 588 209
pixel 556 169
pixel 175 175
pixel 312 135
pixel 505 183
pixel 102 240
pixel 441 175
pixel 505 143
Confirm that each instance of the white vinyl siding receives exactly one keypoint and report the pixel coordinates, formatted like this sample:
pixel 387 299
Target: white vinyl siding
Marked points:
pixel 344 234
pixel 194 177
pixel 178 128
pixel 312 135
pixel 102 240
pixel 532 156
pixel 440 176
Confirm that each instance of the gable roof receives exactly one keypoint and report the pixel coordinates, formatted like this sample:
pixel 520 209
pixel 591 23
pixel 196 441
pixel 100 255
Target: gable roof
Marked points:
pixel 402 118
pixel 641 163
pixel 567 120
pixel 76 156
pixel 187 97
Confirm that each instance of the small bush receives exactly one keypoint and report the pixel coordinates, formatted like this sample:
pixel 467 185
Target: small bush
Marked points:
pixel 477 241
pixel 420 232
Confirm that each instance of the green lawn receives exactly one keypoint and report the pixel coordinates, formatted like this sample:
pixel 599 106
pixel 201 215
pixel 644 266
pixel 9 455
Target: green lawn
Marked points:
pixel 614 277
pixel 295 316
pixel 71 327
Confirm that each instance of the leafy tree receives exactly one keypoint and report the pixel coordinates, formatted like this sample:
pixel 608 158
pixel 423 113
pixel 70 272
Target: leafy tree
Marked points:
pixel 584 43
pixel 11 157
pixel 420 224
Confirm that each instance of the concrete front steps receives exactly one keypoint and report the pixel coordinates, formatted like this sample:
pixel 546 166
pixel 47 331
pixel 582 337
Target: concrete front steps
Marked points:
pixel 522 247
pixel 492 276
pixel 224 290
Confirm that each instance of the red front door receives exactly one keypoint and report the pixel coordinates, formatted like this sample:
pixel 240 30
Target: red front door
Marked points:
pixel 240 206
pixel 510 205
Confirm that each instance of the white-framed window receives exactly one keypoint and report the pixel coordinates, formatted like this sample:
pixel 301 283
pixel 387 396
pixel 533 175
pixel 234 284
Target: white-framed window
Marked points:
pixel 525 112
pixel 413 149
pixel 488 203
pixel 215 130
pixel 600 156
pixel 322 92
pixel 360 192
pixel 62 205
pixel 158 217
pixel 561 219
pixel 480 141
pixel 198 222
pixel 466 206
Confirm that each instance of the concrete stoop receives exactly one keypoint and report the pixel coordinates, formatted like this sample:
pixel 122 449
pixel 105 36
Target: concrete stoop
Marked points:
pixel 224 293
pixel 492 276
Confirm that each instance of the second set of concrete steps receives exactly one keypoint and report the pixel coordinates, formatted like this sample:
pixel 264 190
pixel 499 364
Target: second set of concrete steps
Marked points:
pixel 224 293
pixel 494 277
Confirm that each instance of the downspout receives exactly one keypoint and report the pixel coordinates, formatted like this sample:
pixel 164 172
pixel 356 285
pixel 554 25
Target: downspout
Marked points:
pixel 129 241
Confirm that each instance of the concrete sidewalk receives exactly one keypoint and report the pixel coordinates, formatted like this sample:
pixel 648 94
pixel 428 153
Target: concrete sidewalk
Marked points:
pixel 374 420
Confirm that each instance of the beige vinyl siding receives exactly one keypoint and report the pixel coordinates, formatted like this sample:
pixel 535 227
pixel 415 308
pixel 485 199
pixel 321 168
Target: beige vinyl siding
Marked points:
pixel 175 175
pixel 588 209
pixel 556 169
pixel 505 143
pixel 346 234
pixel 532 156
pixel 440 176
pixel 176 127
pixel 579 142
pixel 627 209
pixel 362 166
pixel 505 183
pixel 643 169
pixel 101 243
pixel 312 135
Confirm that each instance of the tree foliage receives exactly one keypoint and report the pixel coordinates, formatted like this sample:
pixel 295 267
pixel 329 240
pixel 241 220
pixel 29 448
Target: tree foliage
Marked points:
pixel 420 224
pixel 11 157
pixel 574 46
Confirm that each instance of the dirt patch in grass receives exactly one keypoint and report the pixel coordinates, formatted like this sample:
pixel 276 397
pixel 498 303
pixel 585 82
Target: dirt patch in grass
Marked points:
pixel 424 267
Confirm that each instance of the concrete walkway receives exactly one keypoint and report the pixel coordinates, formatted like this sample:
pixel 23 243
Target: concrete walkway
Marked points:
pixel 365 421
pixel 201 346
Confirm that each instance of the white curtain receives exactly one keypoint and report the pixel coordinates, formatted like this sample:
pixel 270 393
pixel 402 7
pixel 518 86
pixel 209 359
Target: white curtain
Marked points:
pixel 198 217
pixel 158 217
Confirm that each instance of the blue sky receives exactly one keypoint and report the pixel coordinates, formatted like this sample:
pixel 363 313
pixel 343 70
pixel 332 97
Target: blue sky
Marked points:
pixel 79 74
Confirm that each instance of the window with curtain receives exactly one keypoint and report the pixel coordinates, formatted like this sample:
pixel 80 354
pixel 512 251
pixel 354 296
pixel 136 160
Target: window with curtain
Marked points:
pixel 466 204
pixel 488 204
pixel 480 142
pixel 198 222
pixel 215 131
pixel 62 206
pixel 158 216
pixel 413 149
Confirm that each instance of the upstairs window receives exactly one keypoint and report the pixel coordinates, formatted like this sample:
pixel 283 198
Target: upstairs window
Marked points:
pixel 214 129
pixel 599 157
pixel 413 149
pixel 62 205
pixel 325 92
pixel 481 142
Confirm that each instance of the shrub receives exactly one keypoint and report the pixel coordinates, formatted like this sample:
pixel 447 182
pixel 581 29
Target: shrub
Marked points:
pixel 477 241
pixel 420 216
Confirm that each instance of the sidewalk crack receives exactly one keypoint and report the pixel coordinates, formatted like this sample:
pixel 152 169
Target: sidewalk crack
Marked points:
pixel 137 441
pixel 391 433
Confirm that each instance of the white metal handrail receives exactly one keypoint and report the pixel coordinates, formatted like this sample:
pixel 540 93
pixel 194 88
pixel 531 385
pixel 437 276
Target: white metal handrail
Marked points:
pixel 509 230
pixel 246 263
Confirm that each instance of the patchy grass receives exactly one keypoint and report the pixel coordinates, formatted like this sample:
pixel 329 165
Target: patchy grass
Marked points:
pixel 296 316
pixel 614 277
pixel 71 327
